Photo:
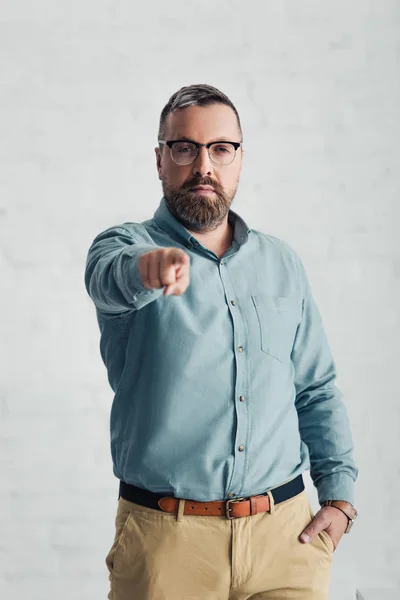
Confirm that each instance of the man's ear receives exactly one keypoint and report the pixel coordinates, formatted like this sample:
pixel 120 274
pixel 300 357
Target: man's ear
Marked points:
pixel 242 160
pixel 158 161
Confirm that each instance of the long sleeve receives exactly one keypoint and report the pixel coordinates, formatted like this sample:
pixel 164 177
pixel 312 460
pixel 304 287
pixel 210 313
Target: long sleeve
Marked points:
pixel 323 420
pixel 112 276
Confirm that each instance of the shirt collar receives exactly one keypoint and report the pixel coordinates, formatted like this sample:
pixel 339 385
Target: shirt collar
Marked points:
pixel 171 225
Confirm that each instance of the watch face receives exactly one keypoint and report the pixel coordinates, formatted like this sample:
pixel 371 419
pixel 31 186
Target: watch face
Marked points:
pixel 350 524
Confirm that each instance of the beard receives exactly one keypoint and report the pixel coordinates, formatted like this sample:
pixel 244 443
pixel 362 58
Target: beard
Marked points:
pixel 198 212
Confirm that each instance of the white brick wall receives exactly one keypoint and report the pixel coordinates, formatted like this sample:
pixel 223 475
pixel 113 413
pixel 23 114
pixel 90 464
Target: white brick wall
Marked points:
pixel 81 89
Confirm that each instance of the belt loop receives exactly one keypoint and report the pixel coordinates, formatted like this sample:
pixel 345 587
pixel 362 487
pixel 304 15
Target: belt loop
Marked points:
pixel 181 509
pixel 271 503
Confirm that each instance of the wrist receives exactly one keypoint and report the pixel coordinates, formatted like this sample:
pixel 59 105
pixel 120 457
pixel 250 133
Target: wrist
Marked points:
pixel 346 508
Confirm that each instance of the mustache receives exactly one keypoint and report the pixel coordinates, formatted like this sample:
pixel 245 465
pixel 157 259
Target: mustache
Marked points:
pixel 203 182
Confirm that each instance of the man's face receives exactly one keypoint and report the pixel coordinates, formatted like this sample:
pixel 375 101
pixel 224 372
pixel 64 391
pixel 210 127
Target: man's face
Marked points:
pixel 200 211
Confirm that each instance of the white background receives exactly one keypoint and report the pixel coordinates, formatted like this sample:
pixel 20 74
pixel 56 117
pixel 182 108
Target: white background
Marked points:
pixel 317 86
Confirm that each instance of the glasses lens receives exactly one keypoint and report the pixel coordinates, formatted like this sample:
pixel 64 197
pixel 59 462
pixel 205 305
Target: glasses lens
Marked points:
pixel 222 153
pixel 183 153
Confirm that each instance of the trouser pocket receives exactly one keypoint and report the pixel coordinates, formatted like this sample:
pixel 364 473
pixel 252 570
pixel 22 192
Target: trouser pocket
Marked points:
pixel 323 535
pixel 122 520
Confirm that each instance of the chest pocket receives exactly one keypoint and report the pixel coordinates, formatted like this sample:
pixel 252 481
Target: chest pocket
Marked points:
pixel 278 318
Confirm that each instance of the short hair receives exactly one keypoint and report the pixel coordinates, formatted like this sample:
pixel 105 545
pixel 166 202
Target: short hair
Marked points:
pixel 194 95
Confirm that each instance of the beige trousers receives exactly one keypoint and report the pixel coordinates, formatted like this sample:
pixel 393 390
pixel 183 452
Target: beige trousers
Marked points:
pixel 162 556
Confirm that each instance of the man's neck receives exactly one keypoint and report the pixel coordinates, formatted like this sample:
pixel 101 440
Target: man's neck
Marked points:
pixel 218 240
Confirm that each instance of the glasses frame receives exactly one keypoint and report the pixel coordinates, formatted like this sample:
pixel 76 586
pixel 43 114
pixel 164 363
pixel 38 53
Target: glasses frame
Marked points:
pixel 169 143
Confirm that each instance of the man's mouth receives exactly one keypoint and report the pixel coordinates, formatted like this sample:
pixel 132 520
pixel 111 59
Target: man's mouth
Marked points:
pixel 203 188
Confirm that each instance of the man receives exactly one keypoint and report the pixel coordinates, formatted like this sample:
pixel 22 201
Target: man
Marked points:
pixel 224 391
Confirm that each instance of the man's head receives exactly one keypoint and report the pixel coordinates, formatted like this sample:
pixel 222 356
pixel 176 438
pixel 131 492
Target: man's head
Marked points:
pixel 202 114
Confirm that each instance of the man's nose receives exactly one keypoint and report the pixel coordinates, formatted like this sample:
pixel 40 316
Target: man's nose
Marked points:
pixel 202 165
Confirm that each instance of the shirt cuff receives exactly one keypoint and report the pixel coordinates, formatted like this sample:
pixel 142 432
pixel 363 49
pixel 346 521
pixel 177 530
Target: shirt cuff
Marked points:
pixel 338 486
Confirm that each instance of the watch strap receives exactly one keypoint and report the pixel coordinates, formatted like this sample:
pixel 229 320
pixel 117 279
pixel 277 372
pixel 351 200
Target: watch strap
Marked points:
pixel 346 508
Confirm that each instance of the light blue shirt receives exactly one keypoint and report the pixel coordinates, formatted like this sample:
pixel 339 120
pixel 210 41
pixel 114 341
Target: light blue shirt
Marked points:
pixel 229 389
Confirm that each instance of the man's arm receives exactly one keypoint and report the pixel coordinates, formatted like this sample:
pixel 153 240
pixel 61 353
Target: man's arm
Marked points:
pixel 323 420
pixel 112 276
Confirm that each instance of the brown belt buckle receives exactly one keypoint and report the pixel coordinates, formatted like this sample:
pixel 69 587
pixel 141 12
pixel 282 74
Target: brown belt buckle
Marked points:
pixel 228 510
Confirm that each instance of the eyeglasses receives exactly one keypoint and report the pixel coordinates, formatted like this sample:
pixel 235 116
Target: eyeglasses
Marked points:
pixel 184 152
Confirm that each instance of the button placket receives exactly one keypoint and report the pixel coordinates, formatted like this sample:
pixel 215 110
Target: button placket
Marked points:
pixel 237 475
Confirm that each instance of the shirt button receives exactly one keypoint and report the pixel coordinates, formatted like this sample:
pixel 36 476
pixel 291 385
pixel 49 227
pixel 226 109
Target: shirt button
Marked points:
pixel 222 262
pixel 233 302
pixel 242 398
pixel 230 495
pixel 241 448
pixel 240 348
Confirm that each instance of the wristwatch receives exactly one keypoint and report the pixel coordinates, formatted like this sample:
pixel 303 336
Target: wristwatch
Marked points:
pixel 346 508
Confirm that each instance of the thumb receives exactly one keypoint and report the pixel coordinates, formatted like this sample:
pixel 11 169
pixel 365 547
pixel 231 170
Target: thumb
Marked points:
pixel 311 531
pixel 183 258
